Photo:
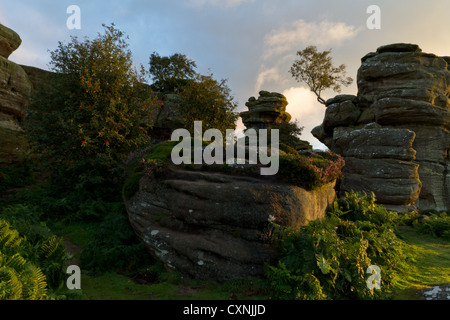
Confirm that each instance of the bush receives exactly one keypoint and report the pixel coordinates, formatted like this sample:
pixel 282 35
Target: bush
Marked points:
pixel 310 172
pixel 435 224
pixel 328 259
pixel 115 247
pixel 16 175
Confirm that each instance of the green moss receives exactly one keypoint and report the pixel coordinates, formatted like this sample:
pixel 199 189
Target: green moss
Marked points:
pixel 161 151
pixel 131 185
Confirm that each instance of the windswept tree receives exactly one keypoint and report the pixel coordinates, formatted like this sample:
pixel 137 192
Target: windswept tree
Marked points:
pixel 317 71
pixel 169 73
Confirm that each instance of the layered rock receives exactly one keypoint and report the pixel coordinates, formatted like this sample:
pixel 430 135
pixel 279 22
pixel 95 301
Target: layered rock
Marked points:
pixel 212 225
pixel 9 41
pixel 399 88
pixel 268 109
pixel 15 87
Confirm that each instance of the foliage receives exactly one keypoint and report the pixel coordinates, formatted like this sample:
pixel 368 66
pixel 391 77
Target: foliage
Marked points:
pixel 115 247
pixel 40 246
pixel 170 73
pixel 310 171
pixel 435 224
pixel 94 115
pixel 16 175
pixel 131 185
pixel 328 259
pixel 290 133
pixel 20 276
pixel 317 71
pixel 208 100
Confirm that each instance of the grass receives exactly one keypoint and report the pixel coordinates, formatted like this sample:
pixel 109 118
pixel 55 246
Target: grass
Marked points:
pixel 113 286
pixel 431 266
pixel 167 285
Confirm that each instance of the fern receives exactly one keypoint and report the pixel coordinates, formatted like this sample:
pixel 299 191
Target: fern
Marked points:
pixel 19 278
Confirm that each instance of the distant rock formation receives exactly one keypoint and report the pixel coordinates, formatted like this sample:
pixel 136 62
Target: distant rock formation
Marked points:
pixel 15 87
pixel 395 134
pixel 267 110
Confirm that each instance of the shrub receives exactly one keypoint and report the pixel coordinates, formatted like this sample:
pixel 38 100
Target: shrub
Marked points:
pixel 16 175
pixel 131 185
pixel 436 224
pixel 310 172
pixel 115 247
pixel 328 259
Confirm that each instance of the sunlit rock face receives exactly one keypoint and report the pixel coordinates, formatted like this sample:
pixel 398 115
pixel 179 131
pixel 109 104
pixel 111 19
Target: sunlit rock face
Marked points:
pixel 403 100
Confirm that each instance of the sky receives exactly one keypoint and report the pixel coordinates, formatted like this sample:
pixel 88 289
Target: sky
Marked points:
pixel 251 43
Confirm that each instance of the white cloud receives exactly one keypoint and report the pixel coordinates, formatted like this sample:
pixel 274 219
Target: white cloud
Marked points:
pixel 267 76
pixel 304 107
pixel 300 32
pixel 220 3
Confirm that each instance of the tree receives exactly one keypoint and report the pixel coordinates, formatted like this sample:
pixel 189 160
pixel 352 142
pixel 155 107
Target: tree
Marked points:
pixel 92 118
pixel 208 100
pixel 317 71
pixel 168 73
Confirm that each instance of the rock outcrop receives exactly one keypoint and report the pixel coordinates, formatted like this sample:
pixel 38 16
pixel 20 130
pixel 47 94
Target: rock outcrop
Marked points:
pixel 15 87
pixel 211 225
pixel 395 134
pixel 9 41
pixel 268 109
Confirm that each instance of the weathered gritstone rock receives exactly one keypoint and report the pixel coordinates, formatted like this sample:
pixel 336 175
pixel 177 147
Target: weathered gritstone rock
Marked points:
pixel 399 87
pixel 9 41
pixel 15 88
pixel 268 109
pixel 211 225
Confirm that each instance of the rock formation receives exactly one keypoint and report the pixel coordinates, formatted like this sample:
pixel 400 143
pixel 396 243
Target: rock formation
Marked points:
pixel 395 134
pixel 211 225
pixel 15 88
pixel 268 109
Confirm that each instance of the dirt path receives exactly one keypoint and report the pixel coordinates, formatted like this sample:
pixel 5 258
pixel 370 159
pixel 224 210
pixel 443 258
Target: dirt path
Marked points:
pixel 72 249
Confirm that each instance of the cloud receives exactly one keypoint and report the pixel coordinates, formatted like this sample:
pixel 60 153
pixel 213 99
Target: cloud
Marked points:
pixel 267 77
pixel 322 34
pixel 220 3
pixel 303 106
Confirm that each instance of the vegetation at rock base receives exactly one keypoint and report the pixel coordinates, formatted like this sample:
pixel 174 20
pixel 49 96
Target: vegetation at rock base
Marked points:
pixel 328 259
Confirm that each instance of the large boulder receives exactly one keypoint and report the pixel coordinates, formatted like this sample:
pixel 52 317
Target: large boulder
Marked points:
pixel 399 88
pixel 212 225
pixel 15 88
